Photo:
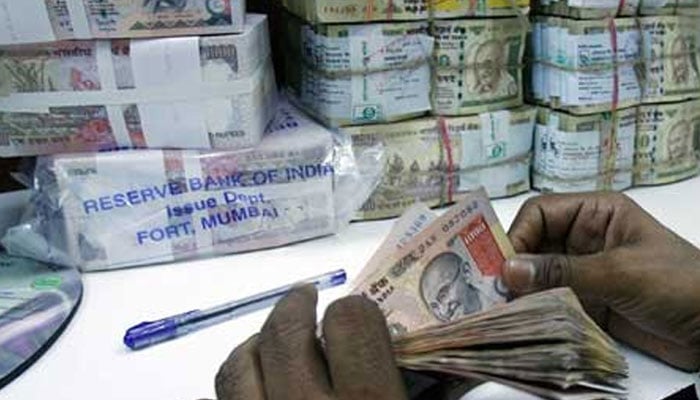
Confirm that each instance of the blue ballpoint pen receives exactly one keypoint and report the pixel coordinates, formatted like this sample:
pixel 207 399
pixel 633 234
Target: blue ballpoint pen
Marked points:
pixel 149 333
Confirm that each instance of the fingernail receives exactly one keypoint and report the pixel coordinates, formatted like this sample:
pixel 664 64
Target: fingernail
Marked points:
pixel 520 273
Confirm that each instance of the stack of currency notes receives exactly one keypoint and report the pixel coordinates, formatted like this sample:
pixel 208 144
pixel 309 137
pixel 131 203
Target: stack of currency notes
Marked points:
pixel 543 343
pixel 586 67
pixel 644 145
pixel 436 160
pixel 351 74
pixel 337 11
pixel 120 209
pixel 596 9
pixel 575 153
pixel 33 21
pixel 438 282
pixel 665 149
pixel 199 92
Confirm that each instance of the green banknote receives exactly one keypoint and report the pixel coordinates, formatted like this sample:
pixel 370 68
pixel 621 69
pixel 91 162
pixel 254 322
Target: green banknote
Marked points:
pixel 575 153
pixel 598 9
pixel 664 150
pixel 344 11
pixel 586 67
pixel 350 74
pixel 436 161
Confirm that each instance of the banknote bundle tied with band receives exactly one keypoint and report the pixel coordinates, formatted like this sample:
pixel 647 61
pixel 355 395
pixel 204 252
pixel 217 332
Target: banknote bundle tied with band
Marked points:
pixel 438 281
pixel 198 92
pixel 128 208
pixel 35 21
pixel 618 85
pixel 446 77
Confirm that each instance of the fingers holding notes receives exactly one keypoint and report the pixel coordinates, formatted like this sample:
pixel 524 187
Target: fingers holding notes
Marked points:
pixel 240 377
pixel 642 277
pixel 290 354
pixel 359 352
pixel 286 360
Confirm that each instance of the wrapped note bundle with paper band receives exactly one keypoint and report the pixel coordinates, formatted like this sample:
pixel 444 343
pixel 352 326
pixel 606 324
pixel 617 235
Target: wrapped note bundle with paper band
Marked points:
pixel 345 11
pixel 438 280
pixel 585 67
pixel 637 146
pixel 199 92
pixel 127 208
pixel 437 160
pixel 36 21
pixel 353 74
pixel 576 153
pixel 664 146
pixel 599 9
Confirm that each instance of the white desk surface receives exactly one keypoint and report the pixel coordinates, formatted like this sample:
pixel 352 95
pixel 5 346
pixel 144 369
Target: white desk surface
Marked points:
pixel 89 360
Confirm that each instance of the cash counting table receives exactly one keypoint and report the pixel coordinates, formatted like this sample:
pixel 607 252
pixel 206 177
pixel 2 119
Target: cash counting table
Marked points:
pixel 89 360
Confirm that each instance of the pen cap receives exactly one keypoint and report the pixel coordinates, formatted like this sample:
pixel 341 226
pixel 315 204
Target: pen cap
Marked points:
pixel 338 278
pixel 148 333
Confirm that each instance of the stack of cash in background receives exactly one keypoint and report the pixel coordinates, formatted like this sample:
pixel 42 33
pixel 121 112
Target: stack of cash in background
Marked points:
pixel 618 84
pixel 108 91
pixel 438 282
pixel 123 102
pixel 438 83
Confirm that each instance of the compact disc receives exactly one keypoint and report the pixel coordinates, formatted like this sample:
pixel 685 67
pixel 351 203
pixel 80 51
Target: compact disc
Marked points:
pixel 36 302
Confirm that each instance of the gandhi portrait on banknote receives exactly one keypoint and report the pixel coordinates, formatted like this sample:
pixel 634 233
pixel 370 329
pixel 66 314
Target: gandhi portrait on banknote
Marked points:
pixel 490 75
pixel 679 142
pixel 447 289
pixel 684 69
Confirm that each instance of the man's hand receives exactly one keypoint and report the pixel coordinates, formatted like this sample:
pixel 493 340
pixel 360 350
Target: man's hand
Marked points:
pixel 638 279
pixel 286 361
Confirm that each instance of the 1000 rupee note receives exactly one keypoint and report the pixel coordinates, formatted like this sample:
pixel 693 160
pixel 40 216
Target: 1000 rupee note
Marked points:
pixel 450 269
pixel 411 223
pixel 344 11
pixel 543 343
pixel 103 19
pixel 127 208
pixel 435 160
pixel 64 97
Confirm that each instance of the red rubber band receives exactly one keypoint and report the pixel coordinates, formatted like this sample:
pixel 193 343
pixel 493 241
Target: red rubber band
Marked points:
pixel 447 144
pixel 616 71
pixel 620 6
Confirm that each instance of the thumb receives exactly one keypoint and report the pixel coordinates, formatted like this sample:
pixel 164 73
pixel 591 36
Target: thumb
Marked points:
pixel 587 275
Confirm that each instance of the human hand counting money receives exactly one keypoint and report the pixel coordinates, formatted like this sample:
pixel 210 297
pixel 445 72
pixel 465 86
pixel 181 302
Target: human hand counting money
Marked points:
pixel 615 255
pixel 286 360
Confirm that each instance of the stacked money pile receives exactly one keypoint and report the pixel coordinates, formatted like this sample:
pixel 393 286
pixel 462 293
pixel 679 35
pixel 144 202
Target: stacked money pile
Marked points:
pixel 599 9
pixel 35 21
pixel 200 91
pixel 616 93
pixel 121 209
pixel 378 79
pixel 438 282
pixel 437 160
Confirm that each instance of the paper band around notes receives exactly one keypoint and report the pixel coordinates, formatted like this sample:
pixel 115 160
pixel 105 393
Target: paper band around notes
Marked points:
pixel 78 18
pixel 25 21
pixel 162 89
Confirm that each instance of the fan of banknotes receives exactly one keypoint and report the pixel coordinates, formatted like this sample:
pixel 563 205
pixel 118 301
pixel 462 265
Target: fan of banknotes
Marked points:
pixel 438 282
